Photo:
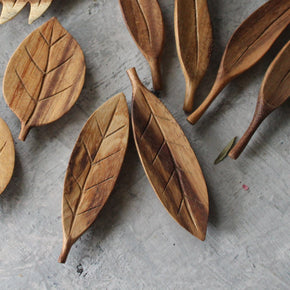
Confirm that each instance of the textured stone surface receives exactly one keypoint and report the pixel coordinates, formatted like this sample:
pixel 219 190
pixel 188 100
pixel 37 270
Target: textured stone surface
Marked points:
pixel 135 244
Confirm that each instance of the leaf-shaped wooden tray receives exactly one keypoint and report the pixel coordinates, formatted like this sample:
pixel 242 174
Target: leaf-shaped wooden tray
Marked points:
pixel 193 34
pixel 169 161
pixel 12 7
pixel 7 155
pixel 44 77
pixel 145 23
pixel 94 168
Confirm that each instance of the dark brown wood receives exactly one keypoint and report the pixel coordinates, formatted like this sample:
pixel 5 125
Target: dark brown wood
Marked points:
pixel 248 45
pixel 145 23
pixel 274 92
pixel 193 34
pixel 7 155
pixel 93 169
pixel 12 7
pixel 44 77
pixel 168 160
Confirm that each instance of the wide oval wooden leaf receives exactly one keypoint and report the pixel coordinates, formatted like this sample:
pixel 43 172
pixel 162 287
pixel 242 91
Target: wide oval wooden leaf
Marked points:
pixel 7 155
pixel 145 23
pixel 193 34
pixel 44 77
pixel 94 168
pixel 169 161
pixel 12 7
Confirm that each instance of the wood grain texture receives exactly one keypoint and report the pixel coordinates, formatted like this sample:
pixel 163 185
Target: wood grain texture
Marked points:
pixel 275 91
pixel 12 7
pixel 169 161
pixel 247 46
pixel 94 168
pixel 44 77
pixel 145 23
pixel 7 155
pixel 193 35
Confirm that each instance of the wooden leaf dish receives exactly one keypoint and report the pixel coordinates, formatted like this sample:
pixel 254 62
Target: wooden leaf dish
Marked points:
pixel 193 34
pixel 44 77
pixel 169 161
pixel 12 7
pixel 7 155
pixel 275 91
pixel 145 23
pixel 93 169
pixel 247 46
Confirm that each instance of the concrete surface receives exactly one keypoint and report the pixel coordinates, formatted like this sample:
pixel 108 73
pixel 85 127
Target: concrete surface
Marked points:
pixel 135 244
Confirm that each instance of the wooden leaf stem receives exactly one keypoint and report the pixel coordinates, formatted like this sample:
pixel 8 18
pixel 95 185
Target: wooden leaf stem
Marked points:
pixel 168 160
pixel 7 155
pixel 274 92
pixel 44 77
pixel 193 34
pixel 145 23
pixel 248 45
pixel 93 169
pixel 12 7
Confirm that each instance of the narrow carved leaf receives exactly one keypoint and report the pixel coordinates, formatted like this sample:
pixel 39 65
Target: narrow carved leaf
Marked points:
pixel 93 169
pixel 44 77
pixel 145 23
pixel 168 160
pixel 248 45
pixel 193 34
pixel 12 7
pixel 7 155
pixel 225 151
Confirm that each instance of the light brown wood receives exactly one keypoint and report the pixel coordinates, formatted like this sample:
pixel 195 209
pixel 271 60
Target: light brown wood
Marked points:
pixel 193 34
pixel 145 23
pixel 12 7
pixel 93 169
pixel 168 160
pixel 275 91
pixel 44 77
pixel 248 45
pixel 7 155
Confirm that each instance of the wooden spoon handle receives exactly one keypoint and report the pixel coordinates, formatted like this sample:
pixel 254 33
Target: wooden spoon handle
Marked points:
pixel 190 90
pixel 156 73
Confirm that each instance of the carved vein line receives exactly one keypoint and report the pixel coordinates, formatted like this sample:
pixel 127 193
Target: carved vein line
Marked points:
pixel 44 38
pixel 115 131
pixel 145 20
pixel 99 161
pixel 60 65
pixel 59 39
pixel 180 206
pixel 87 150
pixel 2 148
pixel 90 209
pixel 53 95
pixel 77 182
pixel 158 152
pixel 169 180
pixel 147 125
pixel 99 127
pixel 33 61
pixel 24 86
pixel 105 180
pixel 69 205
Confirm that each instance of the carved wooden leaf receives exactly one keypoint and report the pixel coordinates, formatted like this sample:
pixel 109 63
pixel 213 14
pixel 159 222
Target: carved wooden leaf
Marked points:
pixel 44 77
pixel 94 168
pixel 145 23
pixel 12 7
pixel 7 155
pixel 169 161
pixel 193 34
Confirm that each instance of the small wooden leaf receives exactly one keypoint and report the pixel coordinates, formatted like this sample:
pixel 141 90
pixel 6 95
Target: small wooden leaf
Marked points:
pixel 94 168
pixel 7 155
pixel 44 77
pixel 247 46
pixel 225 151
pixel 193 34
pixel 12 7
pixel 169 161
pixel 145 23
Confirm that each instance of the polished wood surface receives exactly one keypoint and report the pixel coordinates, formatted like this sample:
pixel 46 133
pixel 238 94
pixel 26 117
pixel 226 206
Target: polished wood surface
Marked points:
pixel 44 77
pixel 93 169
pixel 193 35
pixel 247 46
pixel 168 160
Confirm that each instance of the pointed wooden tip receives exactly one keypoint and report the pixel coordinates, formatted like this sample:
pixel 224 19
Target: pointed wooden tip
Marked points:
pixel 24 132
pixel 156 73
pixel 65 251
pixel 133 76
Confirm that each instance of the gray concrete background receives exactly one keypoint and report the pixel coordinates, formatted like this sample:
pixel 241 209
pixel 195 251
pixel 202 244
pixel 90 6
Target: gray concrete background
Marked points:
pixel 135 244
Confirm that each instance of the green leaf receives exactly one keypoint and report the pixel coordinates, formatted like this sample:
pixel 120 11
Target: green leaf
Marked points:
pixel 226 151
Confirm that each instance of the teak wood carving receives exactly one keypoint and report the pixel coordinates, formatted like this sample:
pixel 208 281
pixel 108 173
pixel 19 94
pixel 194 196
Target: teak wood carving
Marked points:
pixel 275 90
pixel 12 7
pixel 7 155
pixel 93 169
pixel 248 45
pixel 169 161
pixel 44 77
pixel 193 34
pixel 145 23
